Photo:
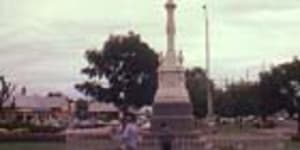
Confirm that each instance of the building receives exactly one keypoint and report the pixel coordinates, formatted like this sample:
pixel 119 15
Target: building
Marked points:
pixel 37 109
pixel 103 111
pixel 91 114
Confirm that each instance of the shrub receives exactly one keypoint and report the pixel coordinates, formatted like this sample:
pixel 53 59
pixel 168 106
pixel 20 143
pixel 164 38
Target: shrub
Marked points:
pixel 30 127
pixel 45 129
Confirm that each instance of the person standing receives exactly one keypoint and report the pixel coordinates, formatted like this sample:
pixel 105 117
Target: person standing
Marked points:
pixel 130 133
pixel 165 137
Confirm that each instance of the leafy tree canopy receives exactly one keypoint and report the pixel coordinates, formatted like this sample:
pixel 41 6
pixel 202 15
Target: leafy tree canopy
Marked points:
pixel 6 91
pixel 124 72
pixel 239 99
pixel 281 86
pixel 196 86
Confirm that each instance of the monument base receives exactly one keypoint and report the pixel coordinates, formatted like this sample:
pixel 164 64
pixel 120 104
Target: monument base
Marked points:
pixel 178 116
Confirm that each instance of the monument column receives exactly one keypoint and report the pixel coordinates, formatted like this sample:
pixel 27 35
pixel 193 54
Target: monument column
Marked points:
pixel 170 31
pixel 170 6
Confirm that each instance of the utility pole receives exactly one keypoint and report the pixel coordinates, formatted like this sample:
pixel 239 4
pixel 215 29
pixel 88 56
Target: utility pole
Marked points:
pixel 210 111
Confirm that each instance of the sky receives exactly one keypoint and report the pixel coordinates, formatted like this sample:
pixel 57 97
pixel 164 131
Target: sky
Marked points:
pixel 42 42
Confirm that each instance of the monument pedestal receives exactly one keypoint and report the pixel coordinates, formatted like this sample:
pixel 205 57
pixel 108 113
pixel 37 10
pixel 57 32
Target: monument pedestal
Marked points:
pixel 172 105
pixel 177 115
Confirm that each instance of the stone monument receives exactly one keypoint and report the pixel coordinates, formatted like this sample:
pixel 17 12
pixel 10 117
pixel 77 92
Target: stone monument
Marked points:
pixel 172 105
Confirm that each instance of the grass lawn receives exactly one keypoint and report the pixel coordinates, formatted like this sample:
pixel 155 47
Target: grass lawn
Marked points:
pixel 292 145
pixel 234 129
pixel 32 146
pixel 61 146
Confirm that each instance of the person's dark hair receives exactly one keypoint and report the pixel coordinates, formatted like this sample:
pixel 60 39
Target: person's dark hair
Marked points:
pixel 131 117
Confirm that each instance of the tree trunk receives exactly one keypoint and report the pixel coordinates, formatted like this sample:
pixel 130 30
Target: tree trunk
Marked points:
pixel 264 121
pixel 264 118
pixel 1 108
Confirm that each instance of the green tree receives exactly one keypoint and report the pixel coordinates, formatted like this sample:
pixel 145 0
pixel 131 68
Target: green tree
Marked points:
pixel 238 99
pixel 81 109
pixel 271 99
pixel 6 91
pixel 224 103
pixel 281 87
pixel 123 72
pixel 196 86
pixel 247 98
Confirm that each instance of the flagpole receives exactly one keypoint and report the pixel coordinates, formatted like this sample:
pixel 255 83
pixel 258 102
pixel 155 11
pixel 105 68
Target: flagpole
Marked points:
pixel 210 111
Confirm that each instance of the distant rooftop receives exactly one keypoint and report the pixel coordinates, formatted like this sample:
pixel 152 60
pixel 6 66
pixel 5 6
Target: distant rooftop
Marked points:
pixel 37 102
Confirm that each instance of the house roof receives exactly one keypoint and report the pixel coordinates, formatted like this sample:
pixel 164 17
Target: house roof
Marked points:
pixel 37 102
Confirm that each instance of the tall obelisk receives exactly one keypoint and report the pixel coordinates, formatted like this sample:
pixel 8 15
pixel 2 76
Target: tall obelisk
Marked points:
pixel 172 105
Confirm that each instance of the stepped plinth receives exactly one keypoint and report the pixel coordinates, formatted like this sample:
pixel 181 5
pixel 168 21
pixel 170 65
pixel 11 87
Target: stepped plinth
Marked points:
pixel 172 104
